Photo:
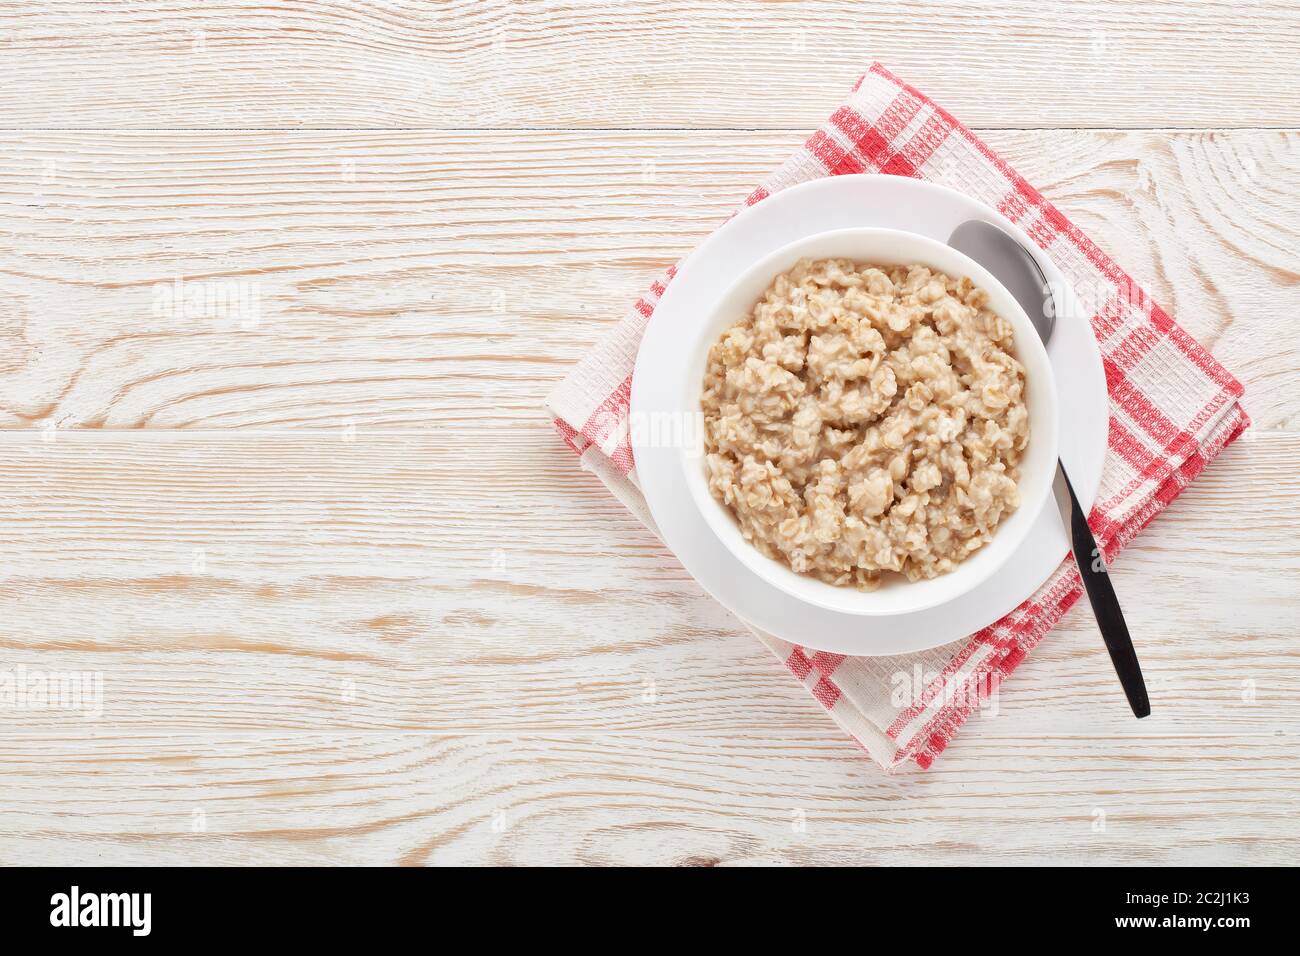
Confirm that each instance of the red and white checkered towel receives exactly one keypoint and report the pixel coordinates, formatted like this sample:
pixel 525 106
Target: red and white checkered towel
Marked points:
pixel 1173 408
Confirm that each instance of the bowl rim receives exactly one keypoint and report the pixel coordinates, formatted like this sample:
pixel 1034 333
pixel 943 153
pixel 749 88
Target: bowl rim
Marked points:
pixel 847 600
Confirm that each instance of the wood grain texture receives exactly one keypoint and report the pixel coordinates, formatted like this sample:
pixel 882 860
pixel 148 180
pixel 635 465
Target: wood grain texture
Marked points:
pixel 504 63
pixel 349 598
pixel 469 580
pixel 327 797
pixel 416 280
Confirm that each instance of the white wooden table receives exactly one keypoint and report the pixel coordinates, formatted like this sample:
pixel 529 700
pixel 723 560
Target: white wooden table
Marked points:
pixel 352 600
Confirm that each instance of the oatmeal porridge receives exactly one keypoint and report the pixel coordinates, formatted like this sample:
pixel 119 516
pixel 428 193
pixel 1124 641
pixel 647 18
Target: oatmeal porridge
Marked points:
pixel 862 420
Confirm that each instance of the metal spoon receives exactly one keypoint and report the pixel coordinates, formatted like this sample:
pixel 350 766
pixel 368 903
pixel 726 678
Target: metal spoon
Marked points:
pixel 1014 266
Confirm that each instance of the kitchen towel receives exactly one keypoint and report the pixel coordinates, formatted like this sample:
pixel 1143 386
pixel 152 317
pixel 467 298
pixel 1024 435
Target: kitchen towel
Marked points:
pixel 1173 408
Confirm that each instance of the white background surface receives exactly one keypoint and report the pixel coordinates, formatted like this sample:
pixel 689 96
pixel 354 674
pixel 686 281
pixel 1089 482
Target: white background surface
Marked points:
pixel 352 600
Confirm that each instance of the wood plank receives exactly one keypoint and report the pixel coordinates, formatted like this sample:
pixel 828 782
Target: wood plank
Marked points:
pixel 474 581
pixel 416 280
pixel 349 598
pixel 794 798
pixel 687 63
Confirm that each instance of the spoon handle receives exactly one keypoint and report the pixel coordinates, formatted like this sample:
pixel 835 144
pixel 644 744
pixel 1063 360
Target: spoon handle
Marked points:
pixel 1105 605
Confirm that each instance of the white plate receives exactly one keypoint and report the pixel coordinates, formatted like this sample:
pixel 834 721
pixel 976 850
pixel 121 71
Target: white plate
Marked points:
pixel 841 202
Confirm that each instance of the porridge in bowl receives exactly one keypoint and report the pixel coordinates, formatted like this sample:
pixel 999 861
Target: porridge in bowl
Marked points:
pixel 864 420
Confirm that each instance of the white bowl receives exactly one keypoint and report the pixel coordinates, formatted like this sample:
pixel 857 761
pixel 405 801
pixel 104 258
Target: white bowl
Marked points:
pixel 896 595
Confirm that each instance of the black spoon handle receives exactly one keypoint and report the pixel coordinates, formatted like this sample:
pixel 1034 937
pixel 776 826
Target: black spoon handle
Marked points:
pixel 1105 605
